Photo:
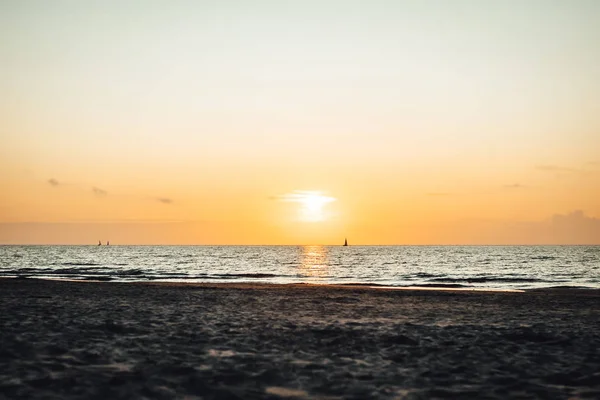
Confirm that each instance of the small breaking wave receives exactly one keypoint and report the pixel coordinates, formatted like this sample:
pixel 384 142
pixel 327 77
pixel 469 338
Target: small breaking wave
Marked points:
pixel 440 285
pixel 245 275
pixel 505 279
pixel 78 263
pixel 73 272
pixel 97 278
pixel 425 275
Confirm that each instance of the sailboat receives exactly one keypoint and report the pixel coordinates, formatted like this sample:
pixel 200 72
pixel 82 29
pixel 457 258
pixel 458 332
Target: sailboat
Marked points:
pixel 345 242
pixel 99 243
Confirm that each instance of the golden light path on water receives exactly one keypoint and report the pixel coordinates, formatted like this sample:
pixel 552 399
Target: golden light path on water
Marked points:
pixel 314 262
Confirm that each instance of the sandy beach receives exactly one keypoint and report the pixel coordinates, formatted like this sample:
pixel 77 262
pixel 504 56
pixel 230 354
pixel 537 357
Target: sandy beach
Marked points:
pixel 101 340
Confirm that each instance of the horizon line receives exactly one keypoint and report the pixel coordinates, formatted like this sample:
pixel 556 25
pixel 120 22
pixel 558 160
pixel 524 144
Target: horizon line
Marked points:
pixel 305 245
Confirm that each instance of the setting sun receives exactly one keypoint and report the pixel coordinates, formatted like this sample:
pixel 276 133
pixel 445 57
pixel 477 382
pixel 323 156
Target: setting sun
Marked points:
pixel 312 204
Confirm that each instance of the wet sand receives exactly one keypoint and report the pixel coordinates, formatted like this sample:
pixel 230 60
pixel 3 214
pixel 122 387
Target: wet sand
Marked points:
pixel 101 340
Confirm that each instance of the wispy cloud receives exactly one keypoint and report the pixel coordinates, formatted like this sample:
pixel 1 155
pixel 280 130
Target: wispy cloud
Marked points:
pixel 576 218
pixel 570 228
pixel 303 196
pixel 438 194
pixel 587 169
pixel 99 192
pixel 514 186
pixel 555 168
pixel 53 182
pixel 164 200
pixel 312 204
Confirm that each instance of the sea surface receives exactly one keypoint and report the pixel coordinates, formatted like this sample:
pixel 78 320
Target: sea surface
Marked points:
pixel 502 267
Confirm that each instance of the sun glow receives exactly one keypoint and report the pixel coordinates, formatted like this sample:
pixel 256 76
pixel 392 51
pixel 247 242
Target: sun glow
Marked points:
pixel 312 204
pixel 315 262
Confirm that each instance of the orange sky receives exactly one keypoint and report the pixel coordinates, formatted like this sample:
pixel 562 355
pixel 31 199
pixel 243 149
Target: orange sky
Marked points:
pixel 418 122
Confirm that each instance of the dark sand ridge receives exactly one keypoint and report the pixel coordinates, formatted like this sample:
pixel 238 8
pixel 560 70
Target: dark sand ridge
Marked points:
pixel 219 341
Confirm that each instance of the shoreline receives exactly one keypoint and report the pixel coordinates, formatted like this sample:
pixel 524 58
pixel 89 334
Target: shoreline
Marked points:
pixel 364 286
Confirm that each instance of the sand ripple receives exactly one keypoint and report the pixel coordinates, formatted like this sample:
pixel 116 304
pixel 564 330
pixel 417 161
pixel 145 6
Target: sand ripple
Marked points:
pixel 105 340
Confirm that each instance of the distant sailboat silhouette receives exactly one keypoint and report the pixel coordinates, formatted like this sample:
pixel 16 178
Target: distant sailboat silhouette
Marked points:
pixel 345 242
pixel 99 243
pixel 107 243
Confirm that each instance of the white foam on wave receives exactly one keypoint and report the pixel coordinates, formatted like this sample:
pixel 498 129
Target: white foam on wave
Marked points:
pixel 470 289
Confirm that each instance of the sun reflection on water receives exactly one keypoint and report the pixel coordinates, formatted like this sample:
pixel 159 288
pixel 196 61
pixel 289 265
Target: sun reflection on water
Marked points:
pixel 314 262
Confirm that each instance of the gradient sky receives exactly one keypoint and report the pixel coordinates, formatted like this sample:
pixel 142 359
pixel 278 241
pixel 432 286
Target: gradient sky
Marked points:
pixel 208 122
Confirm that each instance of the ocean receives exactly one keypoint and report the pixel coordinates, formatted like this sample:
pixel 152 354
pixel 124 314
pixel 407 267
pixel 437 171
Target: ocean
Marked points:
pixel 501 267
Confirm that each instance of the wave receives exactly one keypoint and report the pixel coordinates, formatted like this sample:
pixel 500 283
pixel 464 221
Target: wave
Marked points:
pixel 94 273
pixel 506 279
pixel 140 274
pixel 171 276
pixel 78 263
pixel 425 275
pixel 440 285
pixel 74 272
pixel 564 287
pixel 97 278
pixel 246 275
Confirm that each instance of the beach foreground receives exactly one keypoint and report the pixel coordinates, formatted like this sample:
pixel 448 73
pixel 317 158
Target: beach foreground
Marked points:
pixel 110 340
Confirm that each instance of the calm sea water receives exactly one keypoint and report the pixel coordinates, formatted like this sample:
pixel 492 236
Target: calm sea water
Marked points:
pixel 450 266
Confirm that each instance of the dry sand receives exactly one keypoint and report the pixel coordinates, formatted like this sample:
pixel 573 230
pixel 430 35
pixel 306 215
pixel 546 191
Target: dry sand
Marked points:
pixel 85 340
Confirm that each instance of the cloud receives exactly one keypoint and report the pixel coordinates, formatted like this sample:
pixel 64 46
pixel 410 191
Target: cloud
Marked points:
pixel 571 228
pixel 303 196
pixel 312 204
pixel 164 200
pixel 555 168
pixel 53 182
pixel 99 192
pixel 576 219
pixel 588 169
pixel 515 186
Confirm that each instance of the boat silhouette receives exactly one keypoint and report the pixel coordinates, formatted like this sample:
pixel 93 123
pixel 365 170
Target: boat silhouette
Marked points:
pixel 345 242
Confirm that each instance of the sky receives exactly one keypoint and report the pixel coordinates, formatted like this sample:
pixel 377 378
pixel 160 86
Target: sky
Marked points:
pixel 300 122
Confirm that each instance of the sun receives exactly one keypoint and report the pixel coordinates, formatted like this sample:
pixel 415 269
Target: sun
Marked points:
pixel 312 204
pixel 312 207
